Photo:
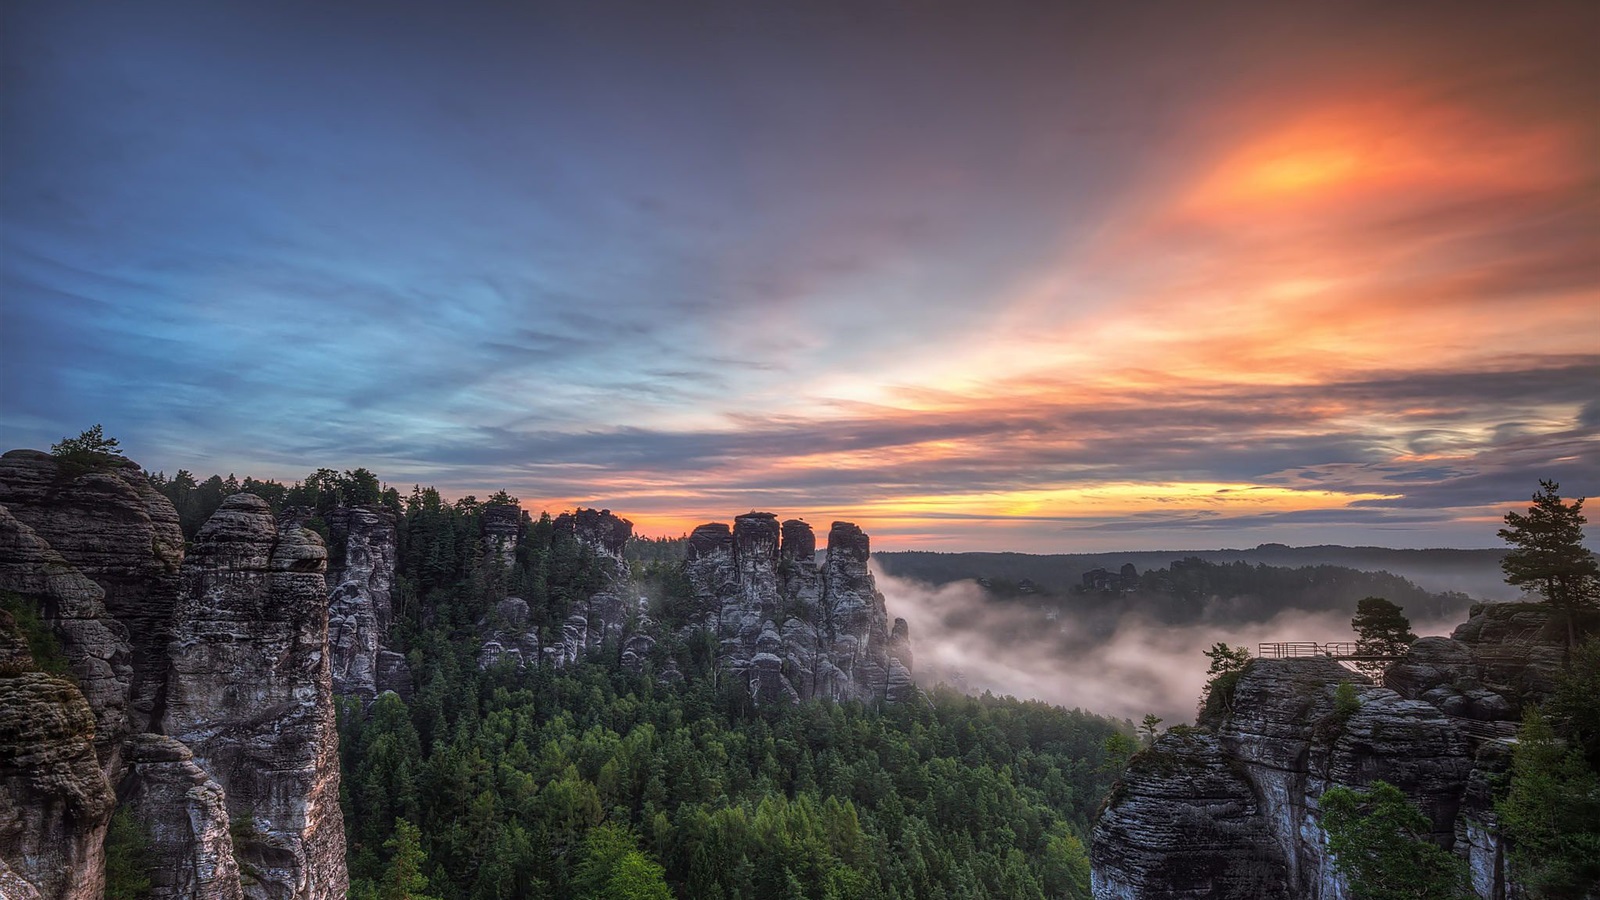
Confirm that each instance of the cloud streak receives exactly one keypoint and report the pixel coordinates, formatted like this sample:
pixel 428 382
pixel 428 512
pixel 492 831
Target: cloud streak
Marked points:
pixel 1035 279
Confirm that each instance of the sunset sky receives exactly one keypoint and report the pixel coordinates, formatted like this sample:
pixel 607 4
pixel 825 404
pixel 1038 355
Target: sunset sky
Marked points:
pixel 1038 276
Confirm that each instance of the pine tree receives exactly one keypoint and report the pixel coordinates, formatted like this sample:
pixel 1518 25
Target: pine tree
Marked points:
pixel 404 879
pixel 1547 552
pixel 1382 630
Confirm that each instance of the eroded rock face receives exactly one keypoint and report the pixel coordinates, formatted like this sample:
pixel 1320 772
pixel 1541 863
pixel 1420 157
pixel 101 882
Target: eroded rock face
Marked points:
pixel 500 531
pixel 1519 648
pixel 611 618
pixel 361 571
pixel 122 534
pixel 596 529
pixel 1286 744
pixel 250 693
pixel 96 646
pixel 788 628
pixel 186 814
pixel 1185 822
pixel 793 629
pixel 55 801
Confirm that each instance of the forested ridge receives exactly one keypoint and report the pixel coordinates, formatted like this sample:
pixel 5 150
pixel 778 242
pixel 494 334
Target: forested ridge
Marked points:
pixel 591 782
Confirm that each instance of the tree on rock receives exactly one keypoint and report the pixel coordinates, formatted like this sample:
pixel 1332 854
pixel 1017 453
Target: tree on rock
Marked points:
pixel 88 451
pixel 1382 630
pixel 1380 843
pixel 1547 553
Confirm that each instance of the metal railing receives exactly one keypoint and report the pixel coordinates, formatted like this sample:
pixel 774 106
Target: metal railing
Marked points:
pixel 1341 650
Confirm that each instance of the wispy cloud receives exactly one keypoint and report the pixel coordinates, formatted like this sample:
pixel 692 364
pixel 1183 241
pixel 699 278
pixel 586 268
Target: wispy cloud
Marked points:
pixel 1032 278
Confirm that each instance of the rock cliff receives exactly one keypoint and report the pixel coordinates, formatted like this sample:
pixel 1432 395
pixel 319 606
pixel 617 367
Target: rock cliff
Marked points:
pixel 95 646
pixel 121 533
pixel 786 626
pixel 1231 811
pixel 199 689
pixel 791 628
pixel 55 801
pixel 186 814
pixel 361 572
pixel 250 693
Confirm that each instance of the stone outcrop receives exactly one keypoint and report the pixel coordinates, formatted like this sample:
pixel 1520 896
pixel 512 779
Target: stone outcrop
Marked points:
pixel 1437 730
pixel 250 693
pixel 119 531
pixel 200 690
pixel 55 801
pixel 185 812
pixel 361 571
pixel 610 616
pixel 1185 822
pixel 95 646
pixel 1285 744
pixel 500 528
pixel 787 627
pixel 793 629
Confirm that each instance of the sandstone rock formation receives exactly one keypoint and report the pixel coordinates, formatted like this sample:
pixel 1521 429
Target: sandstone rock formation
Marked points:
pixel 786 627
pixel 186 814
pixel 607 616
pixel 1250 789
pixel 1284 745
pixel 792 629
pixel 55 802
pixel 1185 822
pixel 500 527
pixel 121 533
pixel 236 679
pixel 361 572
pixel 96 646
pixel 250 693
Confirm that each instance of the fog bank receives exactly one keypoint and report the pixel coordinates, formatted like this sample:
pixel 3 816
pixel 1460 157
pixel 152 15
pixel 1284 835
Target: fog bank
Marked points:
pixel 1118 665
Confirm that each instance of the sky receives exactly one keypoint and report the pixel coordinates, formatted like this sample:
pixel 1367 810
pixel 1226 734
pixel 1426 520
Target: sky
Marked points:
pixel 1050 277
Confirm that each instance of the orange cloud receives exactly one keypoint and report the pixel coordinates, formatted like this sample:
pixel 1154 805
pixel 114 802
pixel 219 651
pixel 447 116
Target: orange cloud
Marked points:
pixel 1356 152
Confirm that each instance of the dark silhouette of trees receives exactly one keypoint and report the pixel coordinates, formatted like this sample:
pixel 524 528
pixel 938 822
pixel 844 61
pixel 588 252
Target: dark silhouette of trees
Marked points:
pixel 1382 629
pixel 1547 553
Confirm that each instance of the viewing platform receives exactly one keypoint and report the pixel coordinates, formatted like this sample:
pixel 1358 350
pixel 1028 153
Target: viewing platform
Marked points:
pixel 1343 651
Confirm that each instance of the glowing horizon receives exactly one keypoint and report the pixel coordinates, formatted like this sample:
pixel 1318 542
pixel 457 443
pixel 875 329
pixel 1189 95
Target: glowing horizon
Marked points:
pixel 1076 279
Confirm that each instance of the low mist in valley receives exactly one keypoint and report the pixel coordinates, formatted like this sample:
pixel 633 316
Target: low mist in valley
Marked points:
pixel 1082 651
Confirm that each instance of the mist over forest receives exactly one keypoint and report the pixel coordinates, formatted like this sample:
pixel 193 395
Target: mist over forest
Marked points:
pixel 1028 626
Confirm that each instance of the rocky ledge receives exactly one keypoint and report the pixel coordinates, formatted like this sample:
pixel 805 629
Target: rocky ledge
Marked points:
pixel 1203 808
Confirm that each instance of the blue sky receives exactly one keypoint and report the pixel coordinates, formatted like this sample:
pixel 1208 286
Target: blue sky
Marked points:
pixel 1024 277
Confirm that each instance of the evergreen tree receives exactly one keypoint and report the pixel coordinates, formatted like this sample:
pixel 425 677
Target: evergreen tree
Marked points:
pixel 1227 666
pixel 404 879
pixel 1380 844
pixel 1551 813
pixel 1547 553
pixel 1382 629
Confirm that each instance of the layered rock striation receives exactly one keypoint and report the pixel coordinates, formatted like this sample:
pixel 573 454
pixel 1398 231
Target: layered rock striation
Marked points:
pixel 787 626
pixel 792 628
pixel 186 814
pixel 96 647
pixel 121 533
pixel 1202 808
pixel 55 802
pixel 361 570
pixel 250 693
pixel 1283 746
pixel 200 689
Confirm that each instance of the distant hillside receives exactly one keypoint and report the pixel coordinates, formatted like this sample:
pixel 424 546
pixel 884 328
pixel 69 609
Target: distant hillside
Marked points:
pixel 1474 572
